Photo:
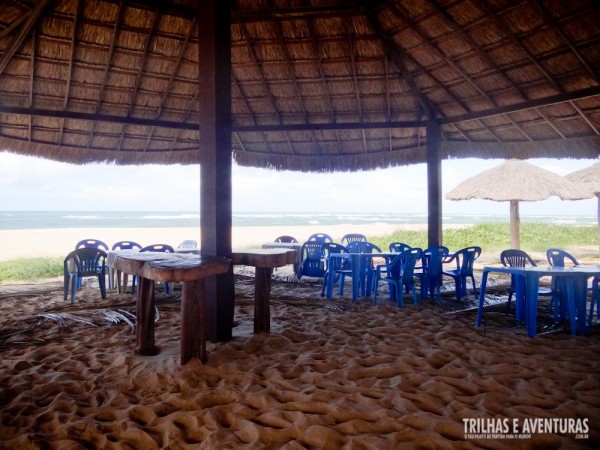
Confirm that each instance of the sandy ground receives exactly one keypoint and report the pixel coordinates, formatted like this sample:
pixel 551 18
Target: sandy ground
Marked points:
pixel 60 241
pixel 332 374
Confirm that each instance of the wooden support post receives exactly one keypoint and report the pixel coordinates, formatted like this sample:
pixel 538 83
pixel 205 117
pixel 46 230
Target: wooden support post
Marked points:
pixel 434 185
pixel 515 225
pixel 262 299
pixel 145 316
pixel 214 104
pixel 193 337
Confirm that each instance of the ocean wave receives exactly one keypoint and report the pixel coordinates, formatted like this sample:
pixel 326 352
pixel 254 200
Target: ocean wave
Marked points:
pixel 83 217
pixel 171 217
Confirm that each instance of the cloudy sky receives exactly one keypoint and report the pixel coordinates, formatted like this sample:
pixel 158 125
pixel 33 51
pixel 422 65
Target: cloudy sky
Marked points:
pixel 33 184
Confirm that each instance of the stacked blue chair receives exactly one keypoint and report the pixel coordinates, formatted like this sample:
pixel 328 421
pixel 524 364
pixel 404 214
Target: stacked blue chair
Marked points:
pixel 398 274
pixel 84 262
pixel 464 259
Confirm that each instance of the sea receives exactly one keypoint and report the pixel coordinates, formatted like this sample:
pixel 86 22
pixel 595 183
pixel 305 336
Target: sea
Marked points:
pixel 15 220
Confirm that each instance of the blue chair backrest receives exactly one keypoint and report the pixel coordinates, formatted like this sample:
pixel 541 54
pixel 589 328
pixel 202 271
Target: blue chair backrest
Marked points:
pixel 403 265
pixel 353 247
pixel 367 247
pixel 557 257
pixel 287 239
pixel 312 263
pixel 87 260
pixel 433 258
pixel 514 257
pixel 158 248
pixel 188 243
pixel 91 243
pixel 399 247
pixel 327 249
pixel 465 258
pixel 353 237
pixel 126 245
pixel 320 237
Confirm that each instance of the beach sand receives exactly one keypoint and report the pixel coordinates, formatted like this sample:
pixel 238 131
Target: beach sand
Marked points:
pixel 332 374
pixel 60 241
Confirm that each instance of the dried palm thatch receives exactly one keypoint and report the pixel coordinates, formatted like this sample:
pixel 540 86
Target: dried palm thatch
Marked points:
pixel 316 86
pixel 516 181
pixel 589 179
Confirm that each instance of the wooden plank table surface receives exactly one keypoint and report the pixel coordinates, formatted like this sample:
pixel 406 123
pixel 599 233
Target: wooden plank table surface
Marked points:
pixel 186 268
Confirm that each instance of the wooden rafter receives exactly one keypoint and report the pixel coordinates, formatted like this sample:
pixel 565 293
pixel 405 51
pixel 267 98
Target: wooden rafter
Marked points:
pixel 15 44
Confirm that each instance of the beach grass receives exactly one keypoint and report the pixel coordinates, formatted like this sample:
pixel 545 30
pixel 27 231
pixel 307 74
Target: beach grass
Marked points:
pixel 495 237
pixel 491 237
pixel 31 269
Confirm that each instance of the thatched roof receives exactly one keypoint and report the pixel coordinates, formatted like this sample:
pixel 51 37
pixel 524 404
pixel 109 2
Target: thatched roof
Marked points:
pixel 588 178
pixel 316 84
pixel 517 180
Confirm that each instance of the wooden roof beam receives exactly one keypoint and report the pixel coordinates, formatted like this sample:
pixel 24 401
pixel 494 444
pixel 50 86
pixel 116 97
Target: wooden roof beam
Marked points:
pixel 530 104
pixel 15 44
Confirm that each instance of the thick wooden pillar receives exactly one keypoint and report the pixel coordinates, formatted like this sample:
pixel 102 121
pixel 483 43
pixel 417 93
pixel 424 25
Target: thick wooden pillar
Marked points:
pixel 214 102
pixel 434 185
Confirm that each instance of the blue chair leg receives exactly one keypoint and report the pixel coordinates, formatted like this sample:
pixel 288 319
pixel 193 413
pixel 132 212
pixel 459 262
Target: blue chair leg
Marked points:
pixel 74 282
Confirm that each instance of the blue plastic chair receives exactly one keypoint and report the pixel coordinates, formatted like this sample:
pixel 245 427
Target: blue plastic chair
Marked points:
pixel 464 259
pixel 188 244
pixel 81 263
pixel 366 269
pixel 353 237
pixel 118 246
pixel 334 266
pixel 560 258
pixel 398 274
pixel 431 273
pixel 399 247
pixel 165 248
pixel 320 237
pixel 513 257
pixel 92 243
pixel 312 264
pixel 286 239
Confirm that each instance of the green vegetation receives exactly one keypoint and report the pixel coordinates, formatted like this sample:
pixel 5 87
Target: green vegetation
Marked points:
pixel 491 237
pixel 495 237
pixel 31 269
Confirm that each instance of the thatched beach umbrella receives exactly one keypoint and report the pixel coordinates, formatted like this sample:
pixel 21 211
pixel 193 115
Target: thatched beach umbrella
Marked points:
pixel 589 179
pixel 515 181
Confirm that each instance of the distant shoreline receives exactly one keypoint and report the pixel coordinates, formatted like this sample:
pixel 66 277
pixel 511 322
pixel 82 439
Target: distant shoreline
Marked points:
pixel 56 242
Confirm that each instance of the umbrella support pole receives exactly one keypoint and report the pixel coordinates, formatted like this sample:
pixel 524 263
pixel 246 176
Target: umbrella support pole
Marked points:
pixel 515 224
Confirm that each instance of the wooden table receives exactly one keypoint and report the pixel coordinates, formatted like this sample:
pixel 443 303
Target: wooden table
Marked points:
pixel 164 267
pixel 264 260
pixel 288 245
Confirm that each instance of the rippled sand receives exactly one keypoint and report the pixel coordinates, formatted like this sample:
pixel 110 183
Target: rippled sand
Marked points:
pixel 332 374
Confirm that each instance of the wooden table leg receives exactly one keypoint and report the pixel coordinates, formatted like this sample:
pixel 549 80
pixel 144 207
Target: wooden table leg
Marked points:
pixel 193 322
pixel 145 318
pixel 262 298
